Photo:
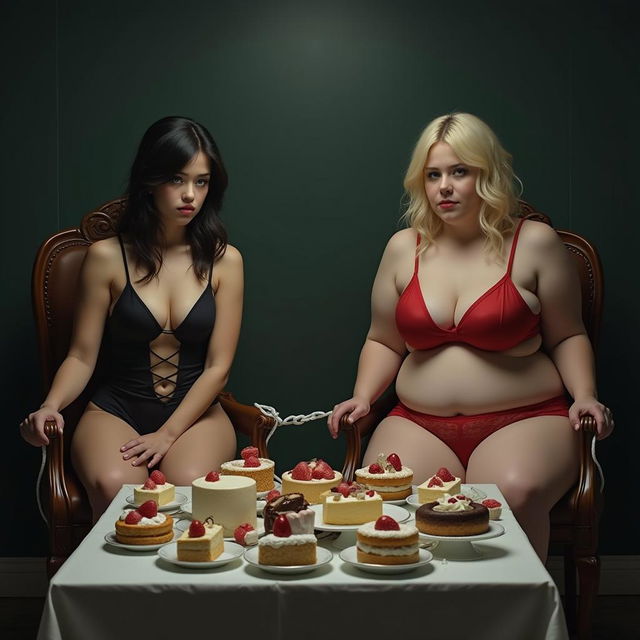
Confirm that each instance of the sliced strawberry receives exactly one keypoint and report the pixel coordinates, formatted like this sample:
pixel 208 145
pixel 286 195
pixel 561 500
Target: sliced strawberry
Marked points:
pixel 490 503
pixel 274 493
pixel 302 471
pixel 133 517
pixel 322 473
pixel 386 523
pixel 149 509
pixel 281 527
pixel 196 529
pixel 149 484
pixel 445 475
pixel 461 496
pixel 247 452
pixel 158 477
pixel 212 476
pixel 375 468
pixel 452 501
pixel 394 460
pixel 251 461
pixel 435 482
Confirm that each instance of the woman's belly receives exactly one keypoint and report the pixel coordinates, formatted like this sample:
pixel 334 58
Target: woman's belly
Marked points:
pixel 457 379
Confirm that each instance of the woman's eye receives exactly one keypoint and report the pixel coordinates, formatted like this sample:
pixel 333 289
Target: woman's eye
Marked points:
pixel 176 180
pixel 202 182
pixel 432 175
pixel 460 171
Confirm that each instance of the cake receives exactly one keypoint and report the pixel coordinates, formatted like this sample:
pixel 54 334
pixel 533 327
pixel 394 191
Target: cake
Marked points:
pixel 155 488
pixel 385 541
pixel 251 466
pixel 292 541
pixel 350 504
pixel 452 516
pixel 201 542
pixel 245 535
pixel 443 482
pixel 312 479
pixel 144 525
pixel 387 476
pixel 495 508
pixel 229 500
pixel 294 502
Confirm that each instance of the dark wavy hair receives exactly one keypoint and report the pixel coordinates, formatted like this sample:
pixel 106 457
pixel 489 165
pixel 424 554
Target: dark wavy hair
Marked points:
pixel 166 147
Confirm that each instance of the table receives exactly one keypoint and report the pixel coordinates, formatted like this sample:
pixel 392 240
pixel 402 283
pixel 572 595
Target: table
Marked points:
pixel 105 593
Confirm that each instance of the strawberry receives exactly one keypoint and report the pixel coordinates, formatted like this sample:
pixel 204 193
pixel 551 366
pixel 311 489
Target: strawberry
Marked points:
pixel 452 501
pixel 344 488
pixel 461 496
pixel 158 477
pixel 323 465
pixel 375 468
pixel 302 471
pixel 251 461
pixel 212 476
pixel 133 517
pixel 247 452
pixel 435 482
pixel 386 523
pixel 241 531
pixel 149 484
pixel 149 509
pixel 394 460
pixel 322 473
pixel 281 527
pixel 196 529
pixel 274 493
pixel 490 503
pixel 371 493
pixel 445 475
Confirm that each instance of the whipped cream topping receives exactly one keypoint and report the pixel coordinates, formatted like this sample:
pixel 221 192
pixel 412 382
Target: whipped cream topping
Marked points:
pixel 273 541
pixel 251 538
pixel 389 551
pixel 444 504
pixel 369 529
pixel 405 472
pixel 445 485
pixel 338 476
pixel 145 522
pixel 335 496
pixel 391 488
pixel 233 465
pixel 302 522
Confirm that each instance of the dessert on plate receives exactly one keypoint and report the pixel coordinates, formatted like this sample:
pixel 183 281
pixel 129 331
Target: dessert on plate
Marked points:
pixel 251 466
pixel 495 508
pixel 144 525
pixel 387 476
pixel 350 503
pixel 452 516
pixel 443 482
pixel 155 488
pixel 201 542
pixel 386 541
pixel 246 535
pixel 292 541
pixel 287 502
pixel 311 478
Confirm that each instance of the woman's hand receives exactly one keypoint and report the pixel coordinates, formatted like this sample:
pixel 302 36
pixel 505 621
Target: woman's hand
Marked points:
pixel 151 447
pixel 601 414
pixel 355 407
pixel 32 427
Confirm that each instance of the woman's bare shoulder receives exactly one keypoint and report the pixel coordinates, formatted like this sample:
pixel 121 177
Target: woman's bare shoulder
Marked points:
pixel 538 235
pixel 402 242
pixel 230 256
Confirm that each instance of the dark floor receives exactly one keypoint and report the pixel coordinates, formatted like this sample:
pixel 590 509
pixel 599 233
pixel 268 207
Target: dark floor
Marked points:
pixel 614 618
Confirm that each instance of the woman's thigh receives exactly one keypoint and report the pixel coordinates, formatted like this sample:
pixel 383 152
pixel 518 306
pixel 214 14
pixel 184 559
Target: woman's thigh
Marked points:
pixel 534 460
pixel 203 447
pixel 418 448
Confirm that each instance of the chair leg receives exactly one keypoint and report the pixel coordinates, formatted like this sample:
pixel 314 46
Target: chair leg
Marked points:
pixel 589 579
pixel 570 589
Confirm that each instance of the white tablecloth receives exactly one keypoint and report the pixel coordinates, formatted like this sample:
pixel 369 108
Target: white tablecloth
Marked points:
pixel 105 593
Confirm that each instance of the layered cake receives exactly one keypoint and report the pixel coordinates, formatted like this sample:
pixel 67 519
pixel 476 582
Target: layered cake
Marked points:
pixel 292 541
pixel 155 488
pixel 229 500
pixel 289 502
pixel 452 516
pixel 350 503
pixel 144 525
pixel 251 466
pixel 433 488
pixel 387 476
pixel 385 541
pixel 495 508
pixel 312 479
pixel 201 542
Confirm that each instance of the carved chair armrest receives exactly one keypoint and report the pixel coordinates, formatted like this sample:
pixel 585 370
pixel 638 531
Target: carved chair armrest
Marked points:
pixel 586 500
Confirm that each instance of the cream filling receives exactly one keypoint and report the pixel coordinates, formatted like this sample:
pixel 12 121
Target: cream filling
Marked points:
pixel 388 489
pixel 369 529
pixel 273 541
pixel 389 551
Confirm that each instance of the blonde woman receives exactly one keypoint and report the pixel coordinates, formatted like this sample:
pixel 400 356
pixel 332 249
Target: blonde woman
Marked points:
pixel 477 315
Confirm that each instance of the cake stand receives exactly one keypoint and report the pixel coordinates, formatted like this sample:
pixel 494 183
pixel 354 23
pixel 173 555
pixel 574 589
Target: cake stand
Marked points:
pixel 347 532
pixel 461 548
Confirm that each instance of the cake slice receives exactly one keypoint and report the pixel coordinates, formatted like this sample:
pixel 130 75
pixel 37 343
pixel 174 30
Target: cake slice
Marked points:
pixel 155 488
pixel 437 486
pixel 201 542
pixel 350 504
pixel 292 541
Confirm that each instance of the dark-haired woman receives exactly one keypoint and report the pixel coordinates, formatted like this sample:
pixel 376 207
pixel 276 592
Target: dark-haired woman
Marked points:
pixel 165 296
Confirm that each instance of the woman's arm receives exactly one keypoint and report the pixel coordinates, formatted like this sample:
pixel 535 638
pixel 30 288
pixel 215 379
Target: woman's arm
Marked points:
pixel 76 369
pixel 384 349
pixel 222 347
pixel 564 336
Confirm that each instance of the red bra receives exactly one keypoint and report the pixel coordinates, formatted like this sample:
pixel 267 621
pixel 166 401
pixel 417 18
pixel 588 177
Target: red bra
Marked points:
pixel 498 320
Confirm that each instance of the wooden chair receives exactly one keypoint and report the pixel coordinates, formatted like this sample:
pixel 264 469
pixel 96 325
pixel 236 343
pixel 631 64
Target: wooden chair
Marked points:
pixel 575 518
pixel 54 292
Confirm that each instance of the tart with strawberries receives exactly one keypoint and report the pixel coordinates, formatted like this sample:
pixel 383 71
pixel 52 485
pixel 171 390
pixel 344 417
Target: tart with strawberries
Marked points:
pixel 386 541
pixel 312 479
pixel 292 541
pixel 433 488
pixel 144 525
pixel 251 466
pixel 155 488
pixel 387 476
pixel 350 503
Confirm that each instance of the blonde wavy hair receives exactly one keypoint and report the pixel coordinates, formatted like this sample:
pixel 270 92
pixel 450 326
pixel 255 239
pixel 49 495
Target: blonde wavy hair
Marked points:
pixel 477 146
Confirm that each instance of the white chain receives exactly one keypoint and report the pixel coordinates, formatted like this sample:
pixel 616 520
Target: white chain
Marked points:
pixel 298 419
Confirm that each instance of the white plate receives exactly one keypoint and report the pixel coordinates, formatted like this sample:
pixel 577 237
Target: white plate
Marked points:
pixel 471 492
pixel 397 513
pixel 110 538
pixel 183 525
pixel 495 530
pixel 231 551
pixel 179 501
pixel 323 556
pixel 350 556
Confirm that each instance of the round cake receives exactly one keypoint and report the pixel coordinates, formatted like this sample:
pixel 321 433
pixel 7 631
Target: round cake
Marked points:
pixel 311 489
pixel 385 541
pixel 452 516
pixel 387 476
pixel 155 530
pixel 230 501
pixel 262 474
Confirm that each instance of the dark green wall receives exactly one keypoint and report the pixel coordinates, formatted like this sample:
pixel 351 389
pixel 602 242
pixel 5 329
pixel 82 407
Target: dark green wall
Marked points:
pixel 316 107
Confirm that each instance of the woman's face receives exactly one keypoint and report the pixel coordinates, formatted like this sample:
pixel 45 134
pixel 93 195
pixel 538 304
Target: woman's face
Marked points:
pixel 450 185
pixel 180 199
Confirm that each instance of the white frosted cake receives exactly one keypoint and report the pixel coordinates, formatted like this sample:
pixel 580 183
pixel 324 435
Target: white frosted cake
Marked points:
pixel 292 541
